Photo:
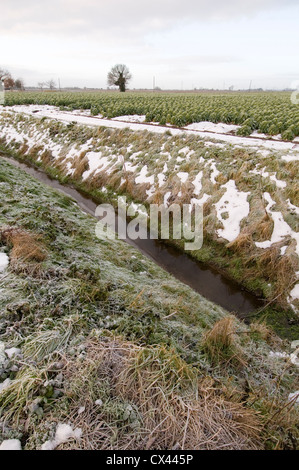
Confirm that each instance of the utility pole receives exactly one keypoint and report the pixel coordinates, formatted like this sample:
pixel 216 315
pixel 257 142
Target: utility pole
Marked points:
pixel 59 84
pixel 154 83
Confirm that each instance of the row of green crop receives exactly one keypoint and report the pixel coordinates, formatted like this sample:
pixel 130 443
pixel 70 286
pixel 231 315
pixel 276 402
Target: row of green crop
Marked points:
pixel 269 113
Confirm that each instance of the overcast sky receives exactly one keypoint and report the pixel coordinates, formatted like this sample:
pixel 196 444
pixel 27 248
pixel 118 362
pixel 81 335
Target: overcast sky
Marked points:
pixel 183 43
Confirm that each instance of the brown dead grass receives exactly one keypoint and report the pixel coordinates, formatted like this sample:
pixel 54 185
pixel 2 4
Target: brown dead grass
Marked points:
pixel 138 191
pixel 34 151
pixel 47 157
pixel 23 149
pixel 158 196
pixel 243 242
pixel 261 330
pixel 263 228
pixel 285 274
pixel 292 191
pixel 174 408
pixel 221 179
pixel 267 259
pixel 281 269
pixel 186 190
pixel 221 342
pixel 80 165
pixel 25 246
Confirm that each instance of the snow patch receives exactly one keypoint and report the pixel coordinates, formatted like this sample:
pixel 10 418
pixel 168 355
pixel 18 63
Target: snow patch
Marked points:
pixel 143 179
pixel 4 262
pixel 12 352
pixel 161 179
pixel 293 358
pixel 197 183
pixel 64 432
pixel 11 444
pixel 207 126
pixel 290 158
pixel 183 176
pixel 235 204
pixel 214 173
pixel 281 228
pixel 5 384
pixel 130 118
pixel 294 294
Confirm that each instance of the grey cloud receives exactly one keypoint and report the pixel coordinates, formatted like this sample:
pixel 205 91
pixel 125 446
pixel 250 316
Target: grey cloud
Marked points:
pixel 131 18
pixel 205 59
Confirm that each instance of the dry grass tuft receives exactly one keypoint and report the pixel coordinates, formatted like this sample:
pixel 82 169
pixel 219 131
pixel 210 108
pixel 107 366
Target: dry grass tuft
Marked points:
pixel 221 342
pixel 267 259
pixel 153 400
pixel 221 179
pixel 47 157
pixel 80 164
pixel 137 191
pixel 242 242
pixel 285 274
pixel 34 151
pixel 207 207
pixel 263 332
pixel 158 197
pixel 25 246
pixel 292 190
pixel 263 229
pixel 23 149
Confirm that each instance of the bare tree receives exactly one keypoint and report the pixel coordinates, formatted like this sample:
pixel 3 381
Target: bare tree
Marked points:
pixel 19 84
pixel 51 84
pixel 119 76
pixel 41 85
pixel 4 74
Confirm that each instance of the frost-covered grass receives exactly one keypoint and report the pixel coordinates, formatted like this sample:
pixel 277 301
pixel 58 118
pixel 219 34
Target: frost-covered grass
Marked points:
pixel 89 346
pixel 185 168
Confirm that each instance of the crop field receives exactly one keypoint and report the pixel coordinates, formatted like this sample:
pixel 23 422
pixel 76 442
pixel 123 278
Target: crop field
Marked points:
pixel 265 112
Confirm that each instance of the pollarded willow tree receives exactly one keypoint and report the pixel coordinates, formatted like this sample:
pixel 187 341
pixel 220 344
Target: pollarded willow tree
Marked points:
pixel 119 76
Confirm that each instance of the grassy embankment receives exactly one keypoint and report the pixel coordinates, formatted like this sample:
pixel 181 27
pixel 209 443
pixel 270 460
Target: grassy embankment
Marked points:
pixel 112 344
pixel 62 150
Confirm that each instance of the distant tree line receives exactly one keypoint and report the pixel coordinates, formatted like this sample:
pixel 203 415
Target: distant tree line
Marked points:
pixel 50 85
pixel 9 82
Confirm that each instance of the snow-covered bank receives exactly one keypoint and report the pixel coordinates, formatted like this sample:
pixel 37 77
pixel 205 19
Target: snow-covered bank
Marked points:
pixel 184 168
pixel 203 130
